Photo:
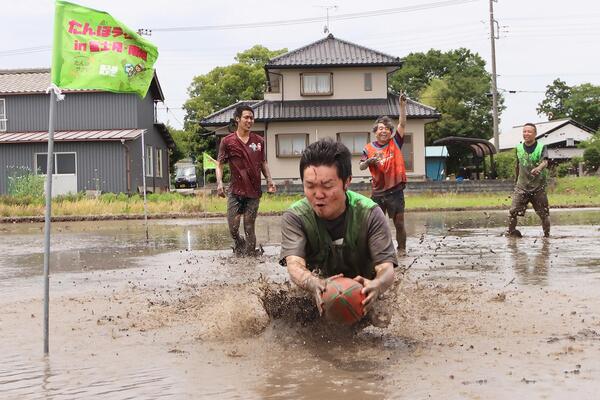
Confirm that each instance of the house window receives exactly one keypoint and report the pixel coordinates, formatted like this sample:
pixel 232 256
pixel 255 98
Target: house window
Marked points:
pixel 274 82
pixel 64 163
pixel 368 82
pixel 408 153
pixel 159 163
pixel 316 84
pixel 570 142
pixel 149 159
pixel 291 144
pixel 2 115
pixel 354 141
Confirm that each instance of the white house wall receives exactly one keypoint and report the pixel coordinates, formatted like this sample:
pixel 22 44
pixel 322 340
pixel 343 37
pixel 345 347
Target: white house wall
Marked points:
pixel 566 132
pixel 287 168
pixel 348 83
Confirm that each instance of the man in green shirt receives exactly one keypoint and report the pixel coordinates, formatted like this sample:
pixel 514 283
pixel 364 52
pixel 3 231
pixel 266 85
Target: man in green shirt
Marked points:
pixel 334 231
pixel 532 160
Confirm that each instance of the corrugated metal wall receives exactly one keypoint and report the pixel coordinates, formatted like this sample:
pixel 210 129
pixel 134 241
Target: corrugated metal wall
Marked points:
pixel 99 164
pixel 153 138
pixel 78 111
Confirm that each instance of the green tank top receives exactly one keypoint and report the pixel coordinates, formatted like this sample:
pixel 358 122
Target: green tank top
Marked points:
pixel 527 162
pixel 352 257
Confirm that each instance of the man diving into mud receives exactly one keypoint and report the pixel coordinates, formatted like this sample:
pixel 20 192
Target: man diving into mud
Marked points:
pixel 333 230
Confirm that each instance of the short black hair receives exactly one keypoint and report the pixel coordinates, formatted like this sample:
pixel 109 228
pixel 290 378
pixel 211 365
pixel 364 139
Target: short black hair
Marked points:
pixel 327 152
pixel 239 110
pixel 531 124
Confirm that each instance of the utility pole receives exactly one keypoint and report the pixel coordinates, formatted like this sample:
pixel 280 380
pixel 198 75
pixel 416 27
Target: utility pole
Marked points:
pixel 494 85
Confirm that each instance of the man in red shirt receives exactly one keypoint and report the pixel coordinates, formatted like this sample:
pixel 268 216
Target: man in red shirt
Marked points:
pixel 245 153
pixel 385 161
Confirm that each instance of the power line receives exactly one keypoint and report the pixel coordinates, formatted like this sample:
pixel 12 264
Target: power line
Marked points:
pixel 364 14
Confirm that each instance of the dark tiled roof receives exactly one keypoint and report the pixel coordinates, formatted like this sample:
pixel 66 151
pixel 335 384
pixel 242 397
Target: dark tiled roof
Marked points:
pixel 226 113
pixel 332 51
pixel 37 80
pixel 320 110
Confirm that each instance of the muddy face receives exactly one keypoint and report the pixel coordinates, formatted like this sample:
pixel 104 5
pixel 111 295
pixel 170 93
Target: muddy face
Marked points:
pixel 325 191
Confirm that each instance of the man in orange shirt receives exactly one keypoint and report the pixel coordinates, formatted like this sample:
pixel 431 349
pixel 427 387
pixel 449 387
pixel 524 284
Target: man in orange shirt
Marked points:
pixel 385 161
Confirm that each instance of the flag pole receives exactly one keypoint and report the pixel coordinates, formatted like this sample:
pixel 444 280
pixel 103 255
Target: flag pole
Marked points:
pixel 144 183
pixel 47 220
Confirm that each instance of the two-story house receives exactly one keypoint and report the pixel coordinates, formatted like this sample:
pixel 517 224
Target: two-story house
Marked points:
pixel 98 136
pixel 329 88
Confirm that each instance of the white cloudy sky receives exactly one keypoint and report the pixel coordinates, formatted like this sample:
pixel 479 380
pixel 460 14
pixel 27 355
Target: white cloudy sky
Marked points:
pixel 540 39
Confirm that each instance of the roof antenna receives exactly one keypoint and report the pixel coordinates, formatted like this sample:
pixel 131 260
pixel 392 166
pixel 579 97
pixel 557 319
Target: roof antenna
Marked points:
pixel 327 8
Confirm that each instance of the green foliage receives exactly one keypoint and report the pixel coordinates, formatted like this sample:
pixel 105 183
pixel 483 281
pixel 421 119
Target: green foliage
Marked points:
pixel 219 88
pixel 69 197
pixel 23 183
pixel 456 84
pixel 505 164
pixel 223 86
pixel 591 154
pixel 563 169
pixel 580 103
pixel 21 201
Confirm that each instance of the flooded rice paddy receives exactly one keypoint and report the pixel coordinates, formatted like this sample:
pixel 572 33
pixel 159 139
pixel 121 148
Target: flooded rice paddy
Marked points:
pixel 474 315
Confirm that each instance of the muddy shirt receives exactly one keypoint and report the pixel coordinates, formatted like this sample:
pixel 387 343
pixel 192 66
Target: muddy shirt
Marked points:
pixel 245 163
pixel 381 247
pixel 527 160
pixel 389 173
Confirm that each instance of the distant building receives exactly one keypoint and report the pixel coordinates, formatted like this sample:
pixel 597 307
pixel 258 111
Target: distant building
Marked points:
pixel 329 88
pixel 97 136
pixel 435 161
pixel 561 137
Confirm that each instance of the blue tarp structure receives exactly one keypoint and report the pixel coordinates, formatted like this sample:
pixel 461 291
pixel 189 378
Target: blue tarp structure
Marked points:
pixel 435 162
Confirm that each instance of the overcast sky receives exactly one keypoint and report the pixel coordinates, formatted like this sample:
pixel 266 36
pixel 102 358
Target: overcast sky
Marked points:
pixel 540 40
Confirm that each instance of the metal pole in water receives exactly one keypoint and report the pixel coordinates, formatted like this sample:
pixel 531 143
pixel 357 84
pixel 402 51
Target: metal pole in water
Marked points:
pixel 144 183
pixel 189 246
pixel 47 222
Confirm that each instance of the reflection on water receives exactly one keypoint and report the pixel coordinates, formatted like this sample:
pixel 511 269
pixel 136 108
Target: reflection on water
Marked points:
pixel 57 378
pixel 531 262
pixel 445 237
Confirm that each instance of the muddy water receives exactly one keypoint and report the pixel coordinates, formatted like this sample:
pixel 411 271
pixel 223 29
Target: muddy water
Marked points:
pixel 475 315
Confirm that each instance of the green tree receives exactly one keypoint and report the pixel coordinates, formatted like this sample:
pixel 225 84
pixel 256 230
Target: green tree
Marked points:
pixel 223 86
pixel 591 154
pixel 580 103
pixel 456 84
pixel 553 105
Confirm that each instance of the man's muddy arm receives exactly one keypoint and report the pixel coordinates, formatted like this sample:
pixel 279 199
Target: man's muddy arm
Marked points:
pixel 303 278
pixel 267 173
pixel 219 173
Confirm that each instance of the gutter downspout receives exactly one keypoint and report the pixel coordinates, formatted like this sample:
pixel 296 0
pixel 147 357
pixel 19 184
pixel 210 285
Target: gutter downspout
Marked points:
pixel 127 166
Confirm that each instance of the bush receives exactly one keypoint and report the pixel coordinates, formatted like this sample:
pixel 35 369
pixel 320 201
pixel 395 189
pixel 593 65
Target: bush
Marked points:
pixel 563 169
pixel 505 164
pixel 69 198
pixel 21 200
pixel 591 155
pixel 23 183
